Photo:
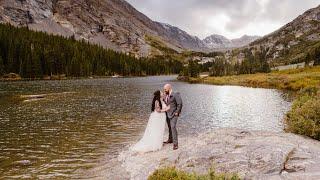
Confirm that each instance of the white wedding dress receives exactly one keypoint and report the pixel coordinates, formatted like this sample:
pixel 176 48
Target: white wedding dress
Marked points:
pixel 152 139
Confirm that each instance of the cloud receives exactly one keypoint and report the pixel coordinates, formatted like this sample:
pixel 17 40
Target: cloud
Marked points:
pixel 232 18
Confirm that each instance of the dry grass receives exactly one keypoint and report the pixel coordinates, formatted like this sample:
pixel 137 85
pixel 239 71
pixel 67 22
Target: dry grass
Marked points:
pixel 286 80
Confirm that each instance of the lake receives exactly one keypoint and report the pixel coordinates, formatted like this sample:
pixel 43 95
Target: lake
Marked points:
pixel 83 122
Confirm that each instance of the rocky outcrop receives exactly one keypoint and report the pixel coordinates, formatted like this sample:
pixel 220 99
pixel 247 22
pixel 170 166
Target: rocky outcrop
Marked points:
pixel 11 77
pixel 24 12
pixel 37 97
pixel 251 154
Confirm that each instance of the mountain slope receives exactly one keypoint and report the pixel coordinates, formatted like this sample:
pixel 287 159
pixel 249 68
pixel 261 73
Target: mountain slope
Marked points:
pixel 294 42
pixel 36 55
pixel 113 23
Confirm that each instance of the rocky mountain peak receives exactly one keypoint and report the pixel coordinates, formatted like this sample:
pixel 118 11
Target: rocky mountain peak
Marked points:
pixel 215 38
pixel 220 42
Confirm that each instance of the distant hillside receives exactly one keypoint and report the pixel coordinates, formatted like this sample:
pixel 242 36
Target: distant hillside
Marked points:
pixel 219 42
pixel 294 42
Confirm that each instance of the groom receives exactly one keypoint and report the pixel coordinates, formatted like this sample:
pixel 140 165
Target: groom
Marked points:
pixel 173 100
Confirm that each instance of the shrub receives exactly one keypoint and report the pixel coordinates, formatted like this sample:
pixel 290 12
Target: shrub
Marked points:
pixel 304 117
pixel 171 173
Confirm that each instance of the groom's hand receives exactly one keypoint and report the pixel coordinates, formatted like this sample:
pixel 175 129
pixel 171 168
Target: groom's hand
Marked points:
pixel 176 114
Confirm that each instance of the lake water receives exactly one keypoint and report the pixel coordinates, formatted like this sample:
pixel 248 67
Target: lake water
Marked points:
pixel 85 121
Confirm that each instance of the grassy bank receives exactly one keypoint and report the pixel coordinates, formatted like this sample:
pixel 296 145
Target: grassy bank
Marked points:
pixel 172 173
pixel 304 116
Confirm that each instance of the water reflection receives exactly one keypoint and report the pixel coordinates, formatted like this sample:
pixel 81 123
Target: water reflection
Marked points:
pixel 67 133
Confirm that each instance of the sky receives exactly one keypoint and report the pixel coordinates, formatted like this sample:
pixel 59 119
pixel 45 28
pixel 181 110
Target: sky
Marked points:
pixel 230 18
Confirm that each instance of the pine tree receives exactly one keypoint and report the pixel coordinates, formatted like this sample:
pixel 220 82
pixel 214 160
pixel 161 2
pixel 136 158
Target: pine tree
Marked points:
pixel 317 56
pixel 1 67
pixel 194 69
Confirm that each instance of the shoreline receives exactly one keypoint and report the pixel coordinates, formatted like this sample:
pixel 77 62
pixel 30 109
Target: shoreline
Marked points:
pixel 62 79
pixel 281 80
pixel 78 78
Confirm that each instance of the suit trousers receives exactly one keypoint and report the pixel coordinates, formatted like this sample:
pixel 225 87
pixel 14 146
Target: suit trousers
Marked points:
pixel 173 133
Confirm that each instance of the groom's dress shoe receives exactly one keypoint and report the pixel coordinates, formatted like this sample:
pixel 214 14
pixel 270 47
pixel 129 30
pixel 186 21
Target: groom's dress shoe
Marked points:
pixel 175 147
pixel 167 142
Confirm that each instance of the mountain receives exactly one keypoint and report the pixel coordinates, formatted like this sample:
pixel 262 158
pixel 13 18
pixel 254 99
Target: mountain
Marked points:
pixel 220 42
pixel 217 41
pixel 113 24
pixel 186 40
pixel 243 41
pixel 295 42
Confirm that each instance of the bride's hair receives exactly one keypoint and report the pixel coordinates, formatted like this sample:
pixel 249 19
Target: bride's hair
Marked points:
pixel 156 97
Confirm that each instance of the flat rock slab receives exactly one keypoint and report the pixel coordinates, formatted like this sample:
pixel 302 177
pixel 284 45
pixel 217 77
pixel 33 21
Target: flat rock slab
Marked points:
pixel 36 97
pixel 251 154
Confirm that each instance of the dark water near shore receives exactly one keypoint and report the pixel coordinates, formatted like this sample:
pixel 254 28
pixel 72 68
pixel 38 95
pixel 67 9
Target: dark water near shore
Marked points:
pixel 65 134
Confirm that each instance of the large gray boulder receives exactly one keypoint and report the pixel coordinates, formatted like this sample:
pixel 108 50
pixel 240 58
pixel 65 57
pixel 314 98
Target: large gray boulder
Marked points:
pixel 251 154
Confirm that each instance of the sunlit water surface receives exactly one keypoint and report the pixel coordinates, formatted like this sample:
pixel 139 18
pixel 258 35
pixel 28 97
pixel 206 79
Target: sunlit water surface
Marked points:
pixel 66 134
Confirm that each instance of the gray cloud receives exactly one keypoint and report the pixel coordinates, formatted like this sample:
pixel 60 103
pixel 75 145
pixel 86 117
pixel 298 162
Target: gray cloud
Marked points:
pixel 231 18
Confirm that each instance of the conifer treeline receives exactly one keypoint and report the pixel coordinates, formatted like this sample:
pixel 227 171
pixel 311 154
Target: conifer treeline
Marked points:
pixel 251 63
pixel 36 54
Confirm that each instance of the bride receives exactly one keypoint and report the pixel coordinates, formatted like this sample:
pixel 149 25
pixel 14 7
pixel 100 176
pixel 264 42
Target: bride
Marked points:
pixel 152 139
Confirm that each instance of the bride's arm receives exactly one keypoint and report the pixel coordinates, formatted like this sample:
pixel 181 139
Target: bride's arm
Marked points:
pixel 165 109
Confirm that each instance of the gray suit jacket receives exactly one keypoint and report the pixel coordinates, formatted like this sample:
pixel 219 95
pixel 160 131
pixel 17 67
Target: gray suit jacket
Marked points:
pixel 175 103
